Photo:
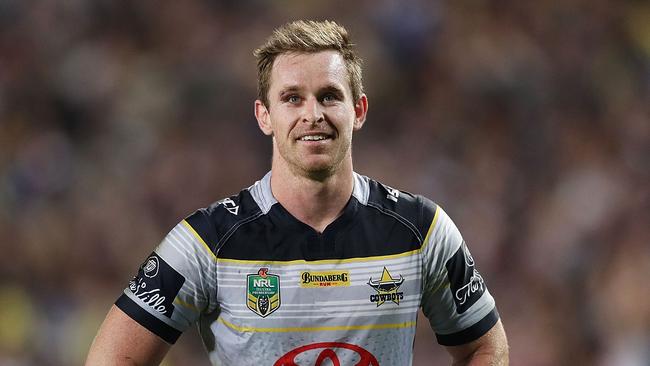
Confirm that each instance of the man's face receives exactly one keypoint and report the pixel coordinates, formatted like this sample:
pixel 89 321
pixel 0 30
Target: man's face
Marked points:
pixel 311 114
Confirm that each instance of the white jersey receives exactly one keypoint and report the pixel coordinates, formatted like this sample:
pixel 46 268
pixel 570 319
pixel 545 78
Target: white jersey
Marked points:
pixel 267 289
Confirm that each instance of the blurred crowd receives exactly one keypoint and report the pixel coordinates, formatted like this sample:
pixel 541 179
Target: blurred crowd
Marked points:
pixel 529 122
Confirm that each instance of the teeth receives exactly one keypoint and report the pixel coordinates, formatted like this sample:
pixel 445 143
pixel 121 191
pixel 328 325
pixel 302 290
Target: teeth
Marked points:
pixel 313 138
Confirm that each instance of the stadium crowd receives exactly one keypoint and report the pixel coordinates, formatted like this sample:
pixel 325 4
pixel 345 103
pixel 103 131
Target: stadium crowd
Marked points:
pixel 529 122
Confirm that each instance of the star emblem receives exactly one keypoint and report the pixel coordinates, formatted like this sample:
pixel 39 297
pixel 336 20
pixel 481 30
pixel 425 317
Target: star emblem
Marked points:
pixel 386 288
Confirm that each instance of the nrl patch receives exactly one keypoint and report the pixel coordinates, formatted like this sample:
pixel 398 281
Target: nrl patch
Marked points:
pixel 263 292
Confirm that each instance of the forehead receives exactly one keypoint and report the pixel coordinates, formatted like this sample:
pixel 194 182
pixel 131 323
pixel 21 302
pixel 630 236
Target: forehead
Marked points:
pixel 309 70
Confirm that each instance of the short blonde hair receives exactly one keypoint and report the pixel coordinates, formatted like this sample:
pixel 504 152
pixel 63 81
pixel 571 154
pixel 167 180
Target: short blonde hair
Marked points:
pixel 307 36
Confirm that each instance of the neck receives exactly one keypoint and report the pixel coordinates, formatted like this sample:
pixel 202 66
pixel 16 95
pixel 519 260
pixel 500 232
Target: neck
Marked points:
pixel 316 202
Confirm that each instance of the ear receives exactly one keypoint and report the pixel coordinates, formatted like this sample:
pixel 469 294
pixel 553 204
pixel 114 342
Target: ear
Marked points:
pixel 360 112
pixel 263 118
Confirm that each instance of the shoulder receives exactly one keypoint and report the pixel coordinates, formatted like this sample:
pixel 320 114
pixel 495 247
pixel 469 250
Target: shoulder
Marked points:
pixel 411 209
pixel 217 221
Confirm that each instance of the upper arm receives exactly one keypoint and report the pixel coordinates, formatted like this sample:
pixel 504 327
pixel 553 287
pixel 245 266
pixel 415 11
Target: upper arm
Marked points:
pixel 490 349
pixel 455 297
pixel 122 341
pixel 174 286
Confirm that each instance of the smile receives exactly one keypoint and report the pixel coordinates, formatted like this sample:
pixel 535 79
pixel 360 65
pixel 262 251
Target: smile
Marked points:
pixel 314 138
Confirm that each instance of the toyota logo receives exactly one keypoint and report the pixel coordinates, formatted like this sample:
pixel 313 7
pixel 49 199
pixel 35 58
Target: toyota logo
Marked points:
pixel 366 358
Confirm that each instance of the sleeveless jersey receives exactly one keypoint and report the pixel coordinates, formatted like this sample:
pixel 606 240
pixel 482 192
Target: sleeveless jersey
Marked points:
pixel 267 289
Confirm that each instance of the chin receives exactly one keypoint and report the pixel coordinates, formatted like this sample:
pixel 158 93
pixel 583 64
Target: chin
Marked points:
pixel 319 170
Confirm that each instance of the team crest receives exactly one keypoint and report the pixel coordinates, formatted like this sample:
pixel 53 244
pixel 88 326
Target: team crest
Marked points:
pixel 386 288
pixel 263 292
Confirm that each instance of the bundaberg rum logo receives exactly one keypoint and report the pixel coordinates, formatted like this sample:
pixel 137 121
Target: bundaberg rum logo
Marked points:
pixel 263 292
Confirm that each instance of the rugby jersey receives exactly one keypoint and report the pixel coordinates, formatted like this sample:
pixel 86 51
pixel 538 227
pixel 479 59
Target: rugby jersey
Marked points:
pixel 267 289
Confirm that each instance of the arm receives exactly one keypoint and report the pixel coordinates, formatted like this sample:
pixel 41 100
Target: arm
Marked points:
pixel 171 289
pixel 491 349
pixel 122 341
pixel 456 300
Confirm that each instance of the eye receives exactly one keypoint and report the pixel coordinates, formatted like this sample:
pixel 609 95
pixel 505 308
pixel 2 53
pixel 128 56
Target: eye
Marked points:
pixel 293 99
pixel 329 98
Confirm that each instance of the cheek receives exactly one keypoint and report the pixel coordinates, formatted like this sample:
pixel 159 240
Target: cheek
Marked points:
pixel 346 121
pixel 284 122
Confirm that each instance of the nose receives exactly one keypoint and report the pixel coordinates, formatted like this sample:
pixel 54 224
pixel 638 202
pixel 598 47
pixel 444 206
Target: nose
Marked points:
pixel 313 111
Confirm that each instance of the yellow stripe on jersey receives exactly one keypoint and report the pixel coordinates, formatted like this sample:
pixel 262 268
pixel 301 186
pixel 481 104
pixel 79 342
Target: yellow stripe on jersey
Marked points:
pixel 199 238
pixel 445 284
pixel 186 305
pixel 316 329
pixel 433 224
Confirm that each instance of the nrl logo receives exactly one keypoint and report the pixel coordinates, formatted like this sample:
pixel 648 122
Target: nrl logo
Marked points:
pixel 386 288
pixel 263 292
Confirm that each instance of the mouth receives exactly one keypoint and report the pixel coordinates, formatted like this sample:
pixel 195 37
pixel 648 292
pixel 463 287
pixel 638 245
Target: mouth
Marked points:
pixel 316 137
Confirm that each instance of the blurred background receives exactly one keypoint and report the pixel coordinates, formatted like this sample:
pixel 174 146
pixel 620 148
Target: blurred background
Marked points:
pixel 529 122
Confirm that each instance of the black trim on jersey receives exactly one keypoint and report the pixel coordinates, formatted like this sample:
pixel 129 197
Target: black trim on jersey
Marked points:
pixel 153 324
pixel 234 228
pixel 390 222
pixel 202 225
pixel 415 211
pixel 399 218
pixel 360 231
pixel 472 333
pixel 427 212
pixel 216 223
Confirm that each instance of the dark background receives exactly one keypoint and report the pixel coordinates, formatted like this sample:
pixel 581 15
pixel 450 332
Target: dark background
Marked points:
pixel 529 122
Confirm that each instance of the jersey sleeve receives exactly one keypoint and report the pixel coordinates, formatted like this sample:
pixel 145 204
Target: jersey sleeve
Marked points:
pixel 175 284
pixel 455 298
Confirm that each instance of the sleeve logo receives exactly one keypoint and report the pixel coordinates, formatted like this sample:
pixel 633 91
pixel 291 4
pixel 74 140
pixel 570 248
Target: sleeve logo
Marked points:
pixel 157 285
pixel 150 267
pixel 466 283
pixel 230 205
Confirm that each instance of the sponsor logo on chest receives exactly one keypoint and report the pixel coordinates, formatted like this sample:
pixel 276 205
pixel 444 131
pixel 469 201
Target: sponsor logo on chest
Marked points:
pixel 328 353
pixel 324 279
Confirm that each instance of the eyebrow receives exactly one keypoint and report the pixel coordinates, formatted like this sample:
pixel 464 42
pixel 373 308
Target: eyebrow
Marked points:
pixel 332 89
pixel 295 88
pixel 289 89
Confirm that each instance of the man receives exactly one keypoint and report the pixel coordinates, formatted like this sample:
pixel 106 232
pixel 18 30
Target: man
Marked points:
pixel 314 262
